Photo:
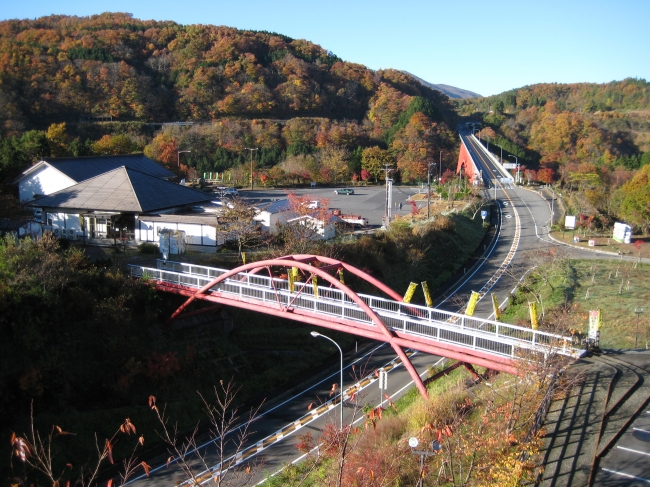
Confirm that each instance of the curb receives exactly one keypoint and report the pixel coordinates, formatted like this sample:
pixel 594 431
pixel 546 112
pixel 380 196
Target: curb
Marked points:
pixel 645 260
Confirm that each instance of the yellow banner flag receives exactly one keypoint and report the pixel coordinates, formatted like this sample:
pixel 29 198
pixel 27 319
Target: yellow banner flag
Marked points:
pixel 409 292
pixel 314 282
pixel 243 257
pixel 341 278
pixel 495 305
pixel 292 280
pixel 427 294
pixel 532 307
pixel 471 305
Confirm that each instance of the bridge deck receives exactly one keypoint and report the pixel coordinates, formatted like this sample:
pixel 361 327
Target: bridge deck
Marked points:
pixel 474 333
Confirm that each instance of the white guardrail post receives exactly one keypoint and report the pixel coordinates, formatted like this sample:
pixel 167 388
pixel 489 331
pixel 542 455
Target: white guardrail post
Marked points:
pixel 428 321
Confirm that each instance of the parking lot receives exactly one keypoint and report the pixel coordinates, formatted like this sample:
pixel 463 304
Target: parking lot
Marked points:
pixel 367 201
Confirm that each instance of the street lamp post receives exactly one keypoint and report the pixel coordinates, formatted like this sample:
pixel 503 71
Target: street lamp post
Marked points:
pixel 315 334
pixel 516 162
pixel 440 170
pixel 251 149
pixel 638 311
pixel 429 188
pixel 178 156
pixel 389 197
pixel 552 206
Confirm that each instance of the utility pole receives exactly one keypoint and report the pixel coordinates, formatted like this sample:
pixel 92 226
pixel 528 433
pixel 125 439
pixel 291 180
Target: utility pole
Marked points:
pixel 251 149
pixel 389 196
pixel 429 188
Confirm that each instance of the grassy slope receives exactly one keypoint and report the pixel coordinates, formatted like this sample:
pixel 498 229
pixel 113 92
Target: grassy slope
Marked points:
pixel 615 287
pixel 487 424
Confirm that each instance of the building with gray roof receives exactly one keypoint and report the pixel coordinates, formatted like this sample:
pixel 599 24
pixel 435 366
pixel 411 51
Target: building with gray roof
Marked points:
pixel 104 197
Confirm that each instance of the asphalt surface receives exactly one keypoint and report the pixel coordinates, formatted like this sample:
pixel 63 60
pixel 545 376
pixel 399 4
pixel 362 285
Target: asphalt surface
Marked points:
pixel 627 460
pixel 595 419
pixel 533 213
pixel 367 201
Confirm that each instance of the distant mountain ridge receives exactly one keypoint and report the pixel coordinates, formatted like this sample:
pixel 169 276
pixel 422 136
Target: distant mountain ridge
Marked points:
pixel 450 91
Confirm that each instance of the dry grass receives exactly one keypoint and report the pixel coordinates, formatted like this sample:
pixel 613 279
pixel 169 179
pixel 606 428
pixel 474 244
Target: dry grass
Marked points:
pixel 481 429
pixel 616 287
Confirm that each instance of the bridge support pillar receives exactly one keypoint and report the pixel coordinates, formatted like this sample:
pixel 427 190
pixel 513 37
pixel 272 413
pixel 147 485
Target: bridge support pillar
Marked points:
pixel 465 163
pixel 417 380
pixel 442 373
pixel 471 370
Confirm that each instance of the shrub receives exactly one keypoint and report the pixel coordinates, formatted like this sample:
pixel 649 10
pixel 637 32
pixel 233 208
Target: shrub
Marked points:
pixel 148 248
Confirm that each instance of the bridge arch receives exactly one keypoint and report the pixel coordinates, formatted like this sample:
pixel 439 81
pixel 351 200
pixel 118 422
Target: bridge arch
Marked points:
pixel 314 265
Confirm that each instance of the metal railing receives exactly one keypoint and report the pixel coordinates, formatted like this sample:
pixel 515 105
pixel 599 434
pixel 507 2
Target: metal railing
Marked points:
pixel 444 326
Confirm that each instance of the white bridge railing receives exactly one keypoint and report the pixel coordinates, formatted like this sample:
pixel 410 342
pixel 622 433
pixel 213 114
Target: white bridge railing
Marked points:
pixel 474 333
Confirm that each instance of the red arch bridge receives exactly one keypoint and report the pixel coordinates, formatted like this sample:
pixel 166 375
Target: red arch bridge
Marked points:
pixel 320 298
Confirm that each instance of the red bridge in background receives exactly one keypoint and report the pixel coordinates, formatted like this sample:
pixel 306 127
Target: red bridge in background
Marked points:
pixel 317 295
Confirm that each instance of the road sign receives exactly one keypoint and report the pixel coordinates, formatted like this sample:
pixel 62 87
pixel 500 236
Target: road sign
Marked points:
pixel 509 165
pixel 383 379
pixel 570 222
pixel 595 320
pixel 483 214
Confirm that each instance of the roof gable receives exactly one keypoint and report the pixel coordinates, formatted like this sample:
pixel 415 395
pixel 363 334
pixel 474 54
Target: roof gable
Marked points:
pixel 123 190
pixel 82 168
pixel 278 207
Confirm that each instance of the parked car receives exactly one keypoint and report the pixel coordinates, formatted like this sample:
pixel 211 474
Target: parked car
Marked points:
pixel 312 205
pixel 223 190
pixel 344 191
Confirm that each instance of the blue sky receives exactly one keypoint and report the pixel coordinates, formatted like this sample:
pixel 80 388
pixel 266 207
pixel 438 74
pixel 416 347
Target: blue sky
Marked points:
pixel 485 47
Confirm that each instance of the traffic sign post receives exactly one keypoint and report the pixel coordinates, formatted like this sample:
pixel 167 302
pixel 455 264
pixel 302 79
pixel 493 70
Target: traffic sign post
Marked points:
pixel 435 447
pixel 383 385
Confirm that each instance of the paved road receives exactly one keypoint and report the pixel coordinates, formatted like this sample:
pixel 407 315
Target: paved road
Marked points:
pixel 289 410
pixel 528 207
pixel 627 463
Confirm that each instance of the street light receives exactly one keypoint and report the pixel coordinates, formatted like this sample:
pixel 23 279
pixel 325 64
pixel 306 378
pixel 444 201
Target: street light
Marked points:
pixel 516 162
pixel 429 187
pixel 440 173
pixel 315 334
pixel 638 311
pixel 251 149
pixel 178 156
pixel 552 207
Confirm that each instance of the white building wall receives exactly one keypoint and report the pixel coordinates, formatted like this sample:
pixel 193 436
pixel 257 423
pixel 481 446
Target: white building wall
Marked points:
pixel 45 180
pixel 65 225
pixel 195 233
pixel 269 221
pixel 210 235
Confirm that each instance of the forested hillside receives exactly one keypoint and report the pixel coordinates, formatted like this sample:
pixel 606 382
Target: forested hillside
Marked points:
pixel 588 137
pixel 311 114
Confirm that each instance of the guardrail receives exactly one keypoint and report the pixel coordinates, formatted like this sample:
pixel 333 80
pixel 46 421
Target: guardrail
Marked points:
pixel 444 326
